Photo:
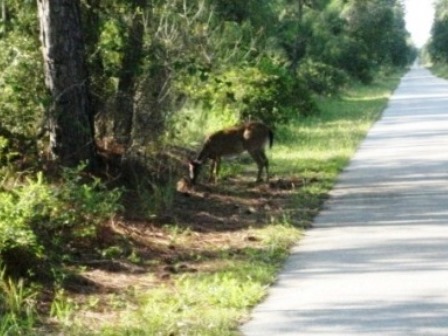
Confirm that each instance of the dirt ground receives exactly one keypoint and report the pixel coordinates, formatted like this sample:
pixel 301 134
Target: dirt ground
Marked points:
pixel 202 221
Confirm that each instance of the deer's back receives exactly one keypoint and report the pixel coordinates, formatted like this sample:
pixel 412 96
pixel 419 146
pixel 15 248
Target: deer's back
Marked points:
pixel 225 142
pixel 235 140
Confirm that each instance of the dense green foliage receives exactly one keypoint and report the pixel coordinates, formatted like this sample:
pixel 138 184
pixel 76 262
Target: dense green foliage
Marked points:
pixel 438 45
pixel 41 221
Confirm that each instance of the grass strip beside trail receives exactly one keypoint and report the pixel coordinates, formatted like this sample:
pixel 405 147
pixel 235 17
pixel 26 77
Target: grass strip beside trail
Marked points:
pixel 439 70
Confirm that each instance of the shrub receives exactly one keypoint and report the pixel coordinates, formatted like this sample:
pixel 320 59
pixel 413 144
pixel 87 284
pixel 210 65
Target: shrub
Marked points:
pixel 266 91
pixel 38 219
pixel 275 96
pixel 21 86
pixel 322 78
pixel 17 306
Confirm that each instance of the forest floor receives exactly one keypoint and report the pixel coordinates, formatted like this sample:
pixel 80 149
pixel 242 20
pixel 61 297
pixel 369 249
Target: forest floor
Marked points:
pixel 203 222
pixel 203 219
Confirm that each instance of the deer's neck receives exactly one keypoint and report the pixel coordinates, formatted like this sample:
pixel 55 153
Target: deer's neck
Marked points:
pixel 203 154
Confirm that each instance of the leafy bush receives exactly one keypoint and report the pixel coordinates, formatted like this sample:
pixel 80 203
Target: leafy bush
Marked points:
pixel 21 86
pixel 38 219
pixel 266 91
pixel 322 78
pixel 275 96
pixel 80 207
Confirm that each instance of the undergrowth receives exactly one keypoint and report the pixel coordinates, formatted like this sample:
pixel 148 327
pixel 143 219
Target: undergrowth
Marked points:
pixel 440 70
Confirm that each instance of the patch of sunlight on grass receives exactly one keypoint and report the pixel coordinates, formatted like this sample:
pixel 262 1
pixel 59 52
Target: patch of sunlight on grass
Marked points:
pixel 440 70
pixel 321 146
pixel 368 98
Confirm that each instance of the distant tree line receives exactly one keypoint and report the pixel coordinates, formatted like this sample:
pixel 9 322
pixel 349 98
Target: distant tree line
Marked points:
pixel 438 44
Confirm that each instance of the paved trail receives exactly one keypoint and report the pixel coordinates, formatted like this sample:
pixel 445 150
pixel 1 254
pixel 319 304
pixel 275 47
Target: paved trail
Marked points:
pixel 376 262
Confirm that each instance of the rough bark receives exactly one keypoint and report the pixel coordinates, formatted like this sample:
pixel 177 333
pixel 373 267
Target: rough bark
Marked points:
pixel 70 117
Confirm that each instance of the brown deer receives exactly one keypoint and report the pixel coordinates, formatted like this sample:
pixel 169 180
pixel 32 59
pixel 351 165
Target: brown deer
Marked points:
pixel 251 137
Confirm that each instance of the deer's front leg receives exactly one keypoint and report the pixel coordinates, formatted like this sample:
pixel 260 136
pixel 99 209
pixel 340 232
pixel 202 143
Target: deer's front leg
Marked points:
pixel 217 166
pixel 214 170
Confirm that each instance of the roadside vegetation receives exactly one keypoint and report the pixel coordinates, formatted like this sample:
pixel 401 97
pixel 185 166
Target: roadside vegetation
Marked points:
pixel 439 69
pixel 434 54
pixel 100 231
pixel 200 269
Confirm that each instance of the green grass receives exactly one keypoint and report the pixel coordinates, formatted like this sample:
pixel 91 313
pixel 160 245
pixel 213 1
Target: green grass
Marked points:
pixel 17 307
pixel 210 303
pixel 325 142
pixel 440 70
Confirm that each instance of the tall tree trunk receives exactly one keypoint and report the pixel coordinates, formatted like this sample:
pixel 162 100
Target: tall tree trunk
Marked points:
pixel 124 107
pixel 71 117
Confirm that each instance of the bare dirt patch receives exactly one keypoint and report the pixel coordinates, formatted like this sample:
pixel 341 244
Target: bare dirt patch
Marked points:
pixel 203 220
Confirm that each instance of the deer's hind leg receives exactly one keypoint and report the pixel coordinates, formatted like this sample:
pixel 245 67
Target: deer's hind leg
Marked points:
pixel 214 169
pixel 260 158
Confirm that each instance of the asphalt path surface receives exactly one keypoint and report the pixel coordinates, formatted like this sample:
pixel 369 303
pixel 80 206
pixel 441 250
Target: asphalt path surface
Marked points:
pixel 376 261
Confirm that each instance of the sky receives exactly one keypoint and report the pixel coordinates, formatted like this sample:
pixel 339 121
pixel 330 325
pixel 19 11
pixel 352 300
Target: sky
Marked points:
pixel 419 18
